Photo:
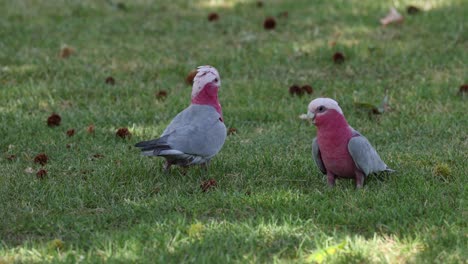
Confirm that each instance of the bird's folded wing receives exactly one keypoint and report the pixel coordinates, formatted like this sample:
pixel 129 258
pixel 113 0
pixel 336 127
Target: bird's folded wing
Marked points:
pixel 365 156
pixel 198 140
pixel 197 130
pixel 317 156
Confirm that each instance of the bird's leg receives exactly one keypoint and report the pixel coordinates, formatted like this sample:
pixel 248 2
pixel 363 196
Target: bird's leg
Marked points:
pixel 330 179
pixel 205 165
pixel 359 179
pixel 184 169
pixel 167 166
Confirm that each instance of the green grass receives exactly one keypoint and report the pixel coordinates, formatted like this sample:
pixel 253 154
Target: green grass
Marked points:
pixel 271 203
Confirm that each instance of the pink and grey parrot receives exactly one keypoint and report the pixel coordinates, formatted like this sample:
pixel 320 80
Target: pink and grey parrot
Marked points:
pixel 197 133
pixel 339 151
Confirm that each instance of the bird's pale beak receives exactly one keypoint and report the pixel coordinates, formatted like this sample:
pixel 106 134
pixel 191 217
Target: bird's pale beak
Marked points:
pixel 310 116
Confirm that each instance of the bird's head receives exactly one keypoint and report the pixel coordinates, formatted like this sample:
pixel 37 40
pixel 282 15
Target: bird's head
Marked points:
pixel 320 110
pixel 207 79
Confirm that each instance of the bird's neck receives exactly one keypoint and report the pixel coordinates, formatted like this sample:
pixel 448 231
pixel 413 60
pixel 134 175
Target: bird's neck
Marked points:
pixel 208 97
pixel 334 126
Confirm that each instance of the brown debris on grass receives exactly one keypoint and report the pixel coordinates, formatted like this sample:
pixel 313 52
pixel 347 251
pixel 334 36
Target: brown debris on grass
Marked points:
pixel 41 174
pixel 161 95
pixel 269 23
pixel 232 131
pixel 41 159
pixel 335 39
pixel 213 17
pixel 110 80
pixel 70 132
pixel 463 89
pixel 11 157
pixel 66 52
pixel 295 90
pixel 412 10
pixel 121 6
pixel 307 89
pixel 209 184
pixel 190 76
pixel 259 3
pixel 98 156
pixel 54 120
pixel 338 58
pixel 123 132
pixel 90 129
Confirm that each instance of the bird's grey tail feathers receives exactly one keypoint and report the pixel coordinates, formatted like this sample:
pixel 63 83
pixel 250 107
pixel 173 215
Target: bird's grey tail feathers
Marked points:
pixel 153 147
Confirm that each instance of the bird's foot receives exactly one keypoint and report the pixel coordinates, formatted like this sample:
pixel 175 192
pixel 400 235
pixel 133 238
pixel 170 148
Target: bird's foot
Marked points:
pixel 205 165
pixel 184 170
pixel 167 167
pixel 359 179
pixel 330 179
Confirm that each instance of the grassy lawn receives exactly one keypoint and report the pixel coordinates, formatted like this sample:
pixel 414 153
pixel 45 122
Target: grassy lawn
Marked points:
pixel 101 201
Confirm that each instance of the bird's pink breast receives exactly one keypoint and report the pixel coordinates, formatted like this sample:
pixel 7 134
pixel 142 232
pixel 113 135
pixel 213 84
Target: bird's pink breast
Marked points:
pixel 336 158
pixel 333 137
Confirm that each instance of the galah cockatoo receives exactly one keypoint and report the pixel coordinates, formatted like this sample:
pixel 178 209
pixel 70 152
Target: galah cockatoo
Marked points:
pixel 197 133
pixel 338 150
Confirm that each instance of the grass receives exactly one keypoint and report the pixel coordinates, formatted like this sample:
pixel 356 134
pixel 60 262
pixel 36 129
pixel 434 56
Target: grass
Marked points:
pixel 271 203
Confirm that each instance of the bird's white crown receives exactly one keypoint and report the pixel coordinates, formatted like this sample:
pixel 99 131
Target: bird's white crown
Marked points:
pixel 205 74
pixel 327 102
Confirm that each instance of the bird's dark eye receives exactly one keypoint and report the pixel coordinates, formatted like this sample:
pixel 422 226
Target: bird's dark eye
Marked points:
pixel 216 79
pixel 321 108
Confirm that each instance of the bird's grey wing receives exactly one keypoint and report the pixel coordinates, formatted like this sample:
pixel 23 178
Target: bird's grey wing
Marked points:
pixel 160 146
pixel 197 140
pixel 183 118
pixel 199 132
pixel 365 156
pixel 317 156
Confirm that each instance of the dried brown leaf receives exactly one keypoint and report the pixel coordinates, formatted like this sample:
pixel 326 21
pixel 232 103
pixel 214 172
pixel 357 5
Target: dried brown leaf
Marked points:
pixel 392 17
pixel 209 184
